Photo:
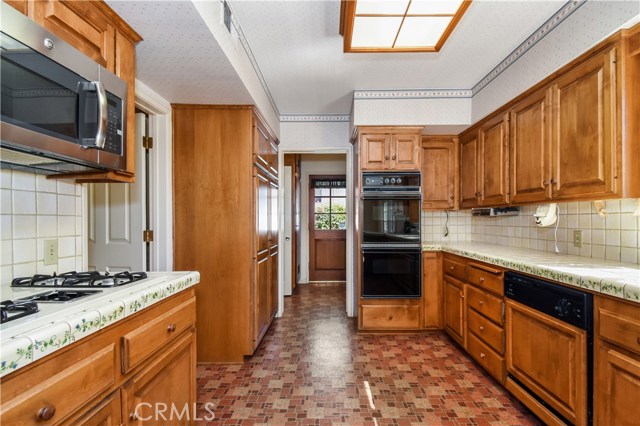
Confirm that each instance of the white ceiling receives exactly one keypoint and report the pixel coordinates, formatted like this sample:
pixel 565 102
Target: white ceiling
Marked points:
pixel 178 57
pixel 299 51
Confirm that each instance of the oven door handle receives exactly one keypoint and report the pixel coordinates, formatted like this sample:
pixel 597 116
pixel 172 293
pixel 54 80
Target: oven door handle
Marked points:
pixel 399 195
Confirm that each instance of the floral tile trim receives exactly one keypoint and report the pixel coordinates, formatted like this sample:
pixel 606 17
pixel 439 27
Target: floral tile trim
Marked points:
pixel 15 353
pixel 111 313
pixel 49 339
pixel 83 324
pixel 612 288
pixel 632 292
pixel 18 351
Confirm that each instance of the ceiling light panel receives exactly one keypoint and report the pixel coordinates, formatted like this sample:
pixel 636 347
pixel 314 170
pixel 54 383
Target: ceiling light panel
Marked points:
pixel 372 32
pixel 433 7
pixel 381 7
pixel 422 31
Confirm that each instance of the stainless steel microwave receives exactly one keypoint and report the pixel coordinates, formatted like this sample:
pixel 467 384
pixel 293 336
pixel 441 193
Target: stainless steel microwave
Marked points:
pixel 61 111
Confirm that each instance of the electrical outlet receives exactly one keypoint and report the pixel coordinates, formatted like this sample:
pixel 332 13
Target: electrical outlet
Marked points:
pixel 50 252
pixel 577 238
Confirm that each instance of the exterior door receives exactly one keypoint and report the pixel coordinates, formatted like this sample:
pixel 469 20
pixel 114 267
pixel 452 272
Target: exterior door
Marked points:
pixel 327 228
pixel 117 217
pixel 288 274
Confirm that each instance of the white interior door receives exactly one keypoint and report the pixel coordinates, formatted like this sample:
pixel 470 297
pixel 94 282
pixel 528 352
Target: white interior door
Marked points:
pixel 288 222
pixel 116 218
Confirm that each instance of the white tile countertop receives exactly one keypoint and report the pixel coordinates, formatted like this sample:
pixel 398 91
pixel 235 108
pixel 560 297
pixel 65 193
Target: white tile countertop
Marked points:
pixel 616 279
pixel 57 325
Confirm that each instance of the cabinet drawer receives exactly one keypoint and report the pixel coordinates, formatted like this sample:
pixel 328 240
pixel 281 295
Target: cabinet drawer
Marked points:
pixel 385 317
pixel 620 329
pixel 455 269
pixel 489 306
pixel 487 331
pixel 63 393
pixel 143 341
pixel 486 277
pixel 486 357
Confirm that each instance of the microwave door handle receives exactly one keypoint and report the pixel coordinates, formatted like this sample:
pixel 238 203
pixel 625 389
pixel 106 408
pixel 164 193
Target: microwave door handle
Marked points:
pixel 101 134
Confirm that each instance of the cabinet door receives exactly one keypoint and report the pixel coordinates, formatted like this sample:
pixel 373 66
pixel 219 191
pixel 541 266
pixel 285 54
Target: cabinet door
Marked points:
pixel 273 213
pixel 169 379
pixel 535 342
pixel 273 283
pixel 107 413
pixel 262 293
pixel 493 162
pixel 585 131
pixel 616 387
pixel 438 174
pixel 261 193
pixel 454 309
pixel 405 152
pixel 530 149
pixel 469 170
pixel 432 290
pixel 273 158
pixel 20 5
pixel 374 151
pixel 125 68
pixel 80 24
pixel 261 146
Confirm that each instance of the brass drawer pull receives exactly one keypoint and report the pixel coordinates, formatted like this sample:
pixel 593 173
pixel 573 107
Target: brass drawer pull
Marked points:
pixel 481 328
pixel 133 416
pixel 480 302
pixel 47 412
pixel 481 279
pixel 171 328
pixel 482 355
pixel 452 267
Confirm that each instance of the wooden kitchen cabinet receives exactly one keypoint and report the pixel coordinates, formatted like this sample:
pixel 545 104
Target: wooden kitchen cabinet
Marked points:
pixel 530 149
pixel 454 323
pixel 585 149
pixel 469 170
pixel 432 290
pixel 82 384
pixel 390 148
pixel 226 224
pixel 19 5
pixel 167 379
pixel 616 362
pixel 493 162
pixel 439 172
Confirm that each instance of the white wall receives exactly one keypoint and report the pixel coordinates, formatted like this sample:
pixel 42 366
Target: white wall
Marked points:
pixel 412 112
pixel 301 136
pixel 34 209
pixel 314 164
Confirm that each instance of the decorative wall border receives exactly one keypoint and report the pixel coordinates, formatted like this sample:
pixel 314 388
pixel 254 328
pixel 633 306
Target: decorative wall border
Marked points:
pixel 309 118
pixel 556 19
pixel 411 94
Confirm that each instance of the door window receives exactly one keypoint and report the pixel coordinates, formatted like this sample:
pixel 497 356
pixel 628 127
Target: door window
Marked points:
pixel 330 205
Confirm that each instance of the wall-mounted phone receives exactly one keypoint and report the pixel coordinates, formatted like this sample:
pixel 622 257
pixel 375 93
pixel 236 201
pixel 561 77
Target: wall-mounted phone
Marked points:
pixel 546 215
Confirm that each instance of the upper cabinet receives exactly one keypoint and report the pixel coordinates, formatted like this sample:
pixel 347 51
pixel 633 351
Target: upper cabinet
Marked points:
pixel 571 137
pixel 530 149
pixel 585 130
pixel 439 172
pixel 493 162
pixel 96 30
pixel 390 148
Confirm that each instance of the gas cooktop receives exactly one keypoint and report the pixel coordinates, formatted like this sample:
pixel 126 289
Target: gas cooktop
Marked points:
pixel 90 279
pixel 10 310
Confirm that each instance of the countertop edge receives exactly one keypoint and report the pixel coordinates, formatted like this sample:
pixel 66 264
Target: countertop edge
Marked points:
pixel 24 348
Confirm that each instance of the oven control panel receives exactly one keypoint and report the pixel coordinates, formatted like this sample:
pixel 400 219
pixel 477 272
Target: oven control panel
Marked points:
pixel 386 180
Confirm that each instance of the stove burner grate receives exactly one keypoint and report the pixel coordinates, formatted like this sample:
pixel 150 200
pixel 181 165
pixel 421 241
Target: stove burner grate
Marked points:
pixel 10 310
pixel 87 279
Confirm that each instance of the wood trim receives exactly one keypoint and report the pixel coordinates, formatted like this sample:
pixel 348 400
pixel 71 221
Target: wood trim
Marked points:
pixel 452 25
pixel 121 24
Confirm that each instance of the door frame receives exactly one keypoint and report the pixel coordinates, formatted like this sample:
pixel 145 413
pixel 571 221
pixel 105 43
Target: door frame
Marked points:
pixel 311 217
pixel 160 175
pixel 350 287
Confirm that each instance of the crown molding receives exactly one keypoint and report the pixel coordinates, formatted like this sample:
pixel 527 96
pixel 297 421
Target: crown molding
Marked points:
pixel 308 118
pixel 411 94
pixel 556 19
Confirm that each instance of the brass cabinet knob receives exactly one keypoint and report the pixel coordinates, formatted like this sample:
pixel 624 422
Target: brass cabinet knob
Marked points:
pixel 171 328
pixel 482 355
pixel 481 328
pixel 451 197
pixel 386 157
pixel 553 181
pixel 133 416
pixel 47 412
pixel 480 302
pixel 393 158
pixel 481 279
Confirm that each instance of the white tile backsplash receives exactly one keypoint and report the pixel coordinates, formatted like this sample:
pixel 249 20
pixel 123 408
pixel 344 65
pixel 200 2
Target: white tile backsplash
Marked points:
pixel 35 209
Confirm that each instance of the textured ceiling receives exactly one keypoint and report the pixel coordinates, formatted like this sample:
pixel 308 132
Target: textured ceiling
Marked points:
pixel 299 51
pixel 179 57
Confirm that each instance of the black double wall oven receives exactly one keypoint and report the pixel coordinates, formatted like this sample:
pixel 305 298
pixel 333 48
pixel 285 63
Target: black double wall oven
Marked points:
pixel 391 244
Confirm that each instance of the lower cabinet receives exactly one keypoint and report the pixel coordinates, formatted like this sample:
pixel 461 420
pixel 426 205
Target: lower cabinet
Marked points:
pixel 617 363
pixel 454 309
pixel 166 383
pixel 88 383
pixel 389 317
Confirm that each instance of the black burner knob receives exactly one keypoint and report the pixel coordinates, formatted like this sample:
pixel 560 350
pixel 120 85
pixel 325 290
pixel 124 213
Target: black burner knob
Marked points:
pixel 563 308
pixel 386 181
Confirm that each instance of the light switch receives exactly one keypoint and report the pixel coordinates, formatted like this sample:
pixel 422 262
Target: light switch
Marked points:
pixel 50 252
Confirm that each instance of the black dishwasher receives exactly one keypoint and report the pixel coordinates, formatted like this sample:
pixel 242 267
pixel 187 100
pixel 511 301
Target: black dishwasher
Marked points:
pixel 550 303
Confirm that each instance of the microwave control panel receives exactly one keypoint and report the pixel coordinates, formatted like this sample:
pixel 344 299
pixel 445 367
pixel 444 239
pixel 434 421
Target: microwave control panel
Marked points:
pixel 113 142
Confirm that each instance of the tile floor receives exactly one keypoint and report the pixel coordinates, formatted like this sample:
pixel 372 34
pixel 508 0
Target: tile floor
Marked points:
pixel 313 369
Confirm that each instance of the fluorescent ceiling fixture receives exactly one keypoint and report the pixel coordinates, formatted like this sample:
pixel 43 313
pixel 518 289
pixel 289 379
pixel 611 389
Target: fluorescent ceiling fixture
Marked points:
pixel 399 25
pixel 375 31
